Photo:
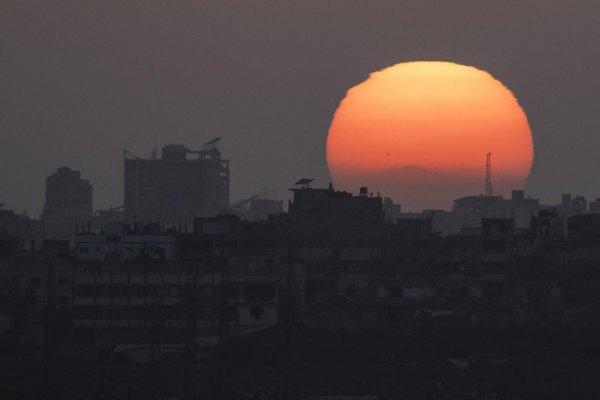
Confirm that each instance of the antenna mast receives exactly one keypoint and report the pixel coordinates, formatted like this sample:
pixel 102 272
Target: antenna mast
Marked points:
pixel 489 189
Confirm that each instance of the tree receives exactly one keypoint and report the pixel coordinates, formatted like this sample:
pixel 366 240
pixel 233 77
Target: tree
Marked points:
pixel 151 254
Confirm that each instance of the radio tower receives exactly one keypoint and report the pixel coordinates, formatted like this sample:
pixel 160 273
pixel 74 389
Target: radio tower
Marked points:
pixel 489 189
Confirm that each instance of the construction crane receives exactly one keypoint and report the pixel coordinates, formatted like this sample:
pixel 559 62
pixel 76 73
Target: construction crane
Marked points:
pixel 489 189
pixel 211 143
pixel 242 203
pixel 210 149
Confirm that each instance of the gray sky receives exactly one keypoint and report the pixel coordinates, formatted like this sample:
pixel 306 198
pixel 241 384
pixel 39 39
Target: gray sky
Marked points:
pixel 82 80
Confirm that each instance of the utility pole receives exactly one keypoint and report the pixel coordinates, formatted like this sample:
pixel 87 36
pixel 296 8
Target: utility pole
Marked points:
pixel 155 337
pixel 288 326
pixel 224 310
pixel 153 316
pixel 48 334
pixel 190 334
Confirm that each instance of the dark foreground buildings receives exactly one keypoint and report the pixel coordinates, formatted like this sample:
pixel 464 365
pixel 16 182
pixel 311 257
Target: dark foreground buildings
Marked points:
pixel 330 298
pixel 178 186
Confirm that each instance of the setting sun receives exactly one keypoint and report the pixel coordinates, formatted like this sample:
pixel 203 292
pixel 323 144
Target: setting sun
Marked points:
pixel 420 131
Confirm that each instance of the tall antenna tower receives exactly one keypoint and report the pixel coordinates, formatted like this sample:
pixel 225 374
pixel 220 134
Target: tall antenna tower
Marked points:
pixel 489 189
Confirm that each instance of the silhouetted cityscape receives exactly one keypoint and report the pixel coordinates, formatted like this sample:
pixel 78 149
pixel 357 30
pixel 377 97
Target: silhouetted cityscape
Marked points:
pixel 180 293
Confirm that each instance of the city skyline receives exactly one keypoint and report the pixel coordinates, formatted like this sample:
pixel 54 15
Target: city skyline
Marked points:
pixel 263 192
pixel 269 83
pixel 299 200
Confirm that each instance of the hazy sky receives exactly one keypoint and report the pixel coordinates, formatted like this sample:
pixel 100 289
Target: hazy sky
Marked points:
pixel 82 80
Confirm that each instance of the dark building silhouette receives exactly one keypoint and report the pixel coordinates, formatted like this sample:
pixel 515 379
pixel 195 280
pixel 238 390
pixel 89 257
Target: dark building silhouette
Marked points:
pixel 578 206
pixel 262 208
pixel 257 208
pixel 548 224
pixel 227 291
pixel 68 203
pixel 30 232
pixel 177 187
pixel 334 212
pixel 573 205
pixel 392 210
pixel 594 206
pixel 471 209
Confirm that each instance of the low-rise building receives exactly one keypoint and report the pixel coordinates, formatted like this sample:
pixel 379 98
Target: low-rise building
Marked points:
pixel 120 241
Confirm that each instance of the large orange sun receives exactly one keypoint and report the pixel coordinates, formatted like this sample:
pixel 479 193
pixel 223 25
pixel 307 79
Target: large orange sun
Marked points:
pixel 420 131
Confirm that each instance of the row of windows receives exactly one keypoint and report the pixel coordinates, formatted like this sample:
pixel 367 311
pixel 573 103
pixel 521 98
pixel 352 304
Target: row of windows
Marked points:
pixel 131 313
pixel 137 290
pixel 34 280
pixel 252 293
pixel 86 250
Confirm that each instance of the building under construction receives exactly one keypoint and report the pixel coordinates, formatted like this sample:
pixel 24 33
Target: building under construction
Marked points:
pixel 178 186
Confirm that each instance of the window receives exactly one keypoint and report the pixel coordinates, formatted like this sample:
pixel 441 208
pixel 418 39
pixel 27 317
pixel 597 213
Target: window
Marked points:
pixel 257 312
pixel 35 280
pixel 87 290
pixel 259 293
pixel 129 249
pixel 84 250
pixel 84 312
pixel 229 292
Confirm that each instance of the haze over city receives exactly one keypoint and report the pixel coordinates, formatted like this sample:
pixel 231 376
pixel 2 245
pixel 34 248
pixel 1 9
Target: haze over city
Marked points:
pixel 82 82
pixel 259 200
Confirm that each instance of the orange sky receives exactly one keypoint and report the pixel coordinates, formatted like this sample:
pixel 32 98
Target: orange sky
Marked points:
pixel 420 131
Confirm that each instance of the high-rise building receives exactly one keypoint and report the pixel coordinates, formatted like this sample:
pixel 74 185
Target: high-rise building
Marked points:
pixel 178 186
pixel 68 203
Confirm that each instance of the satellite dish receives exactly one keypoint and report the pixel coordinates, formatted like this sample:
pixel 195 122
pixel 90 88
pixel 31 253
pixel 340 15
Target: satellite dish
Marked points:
pixel 304 182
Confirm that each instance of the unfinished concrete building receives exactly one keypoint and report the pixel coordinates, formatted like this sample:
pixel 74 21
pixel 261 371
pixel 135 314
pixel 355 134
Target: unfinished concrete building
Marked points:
pixel 178 186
